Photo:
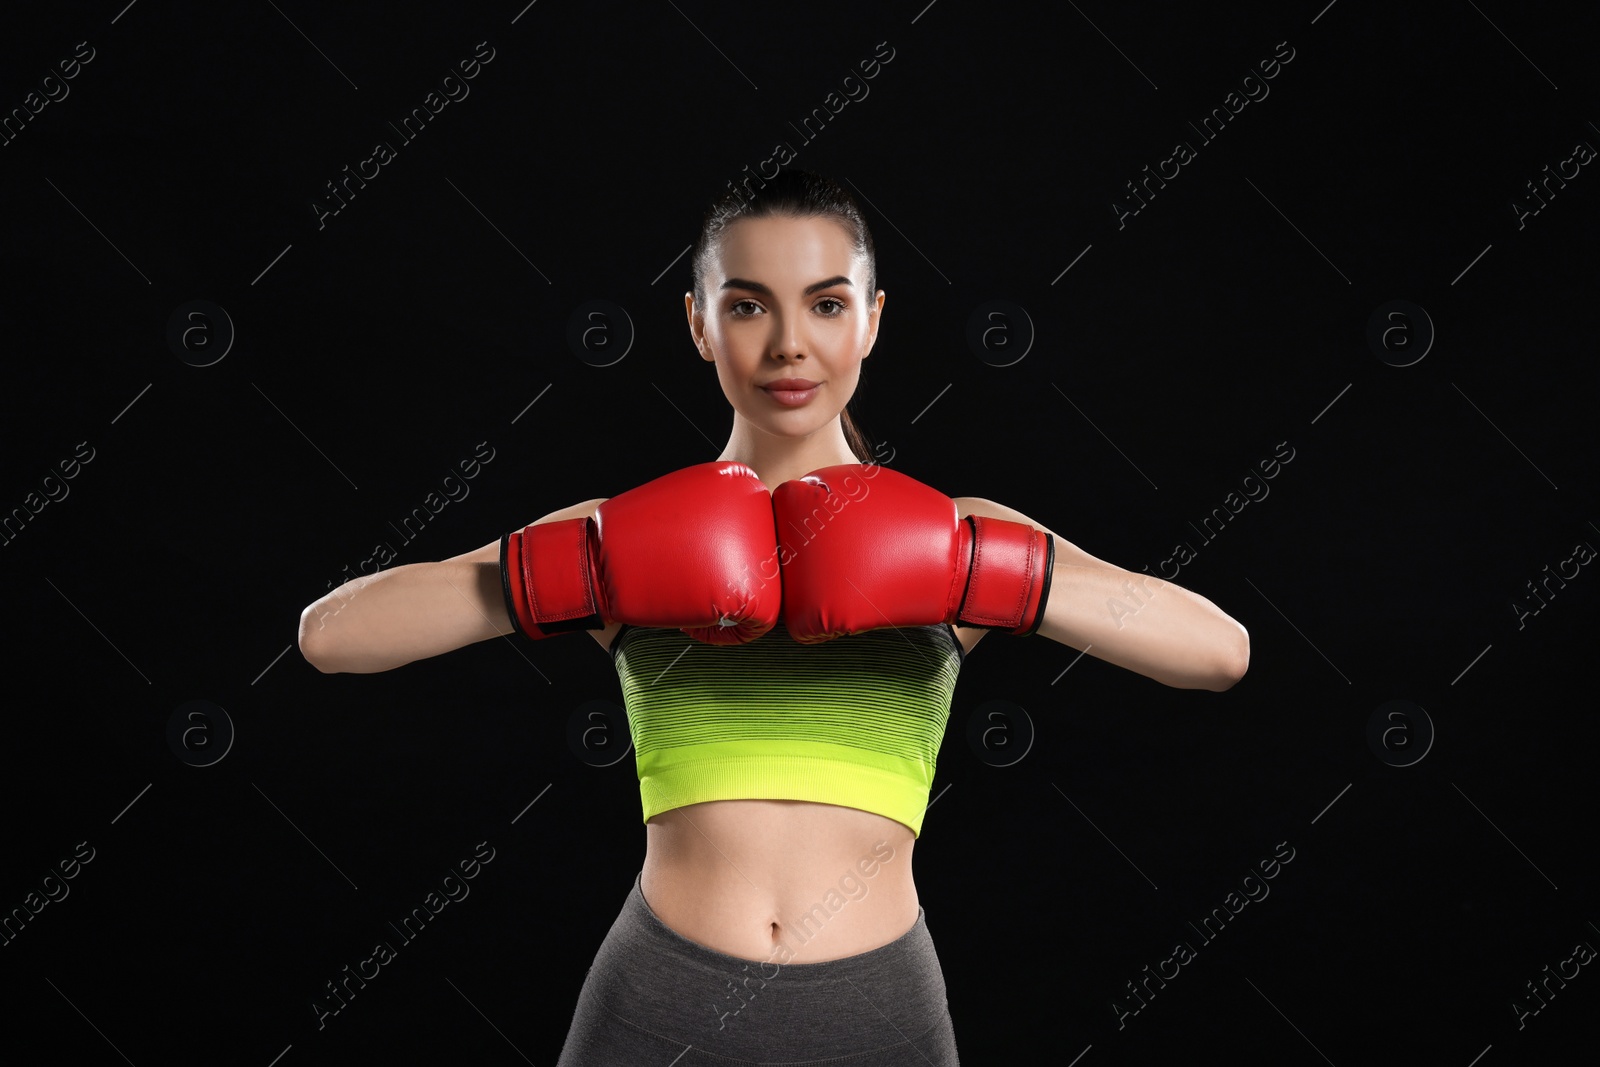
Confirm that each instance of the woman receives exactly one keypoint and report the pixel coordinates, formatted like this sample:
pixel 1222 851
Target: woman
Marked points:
pixel 762 927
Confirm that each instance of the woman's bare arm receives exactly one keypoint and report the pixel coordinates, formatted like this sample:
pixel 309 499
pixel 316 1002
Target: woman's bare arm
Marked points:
pixel 382 621
pixel 1135 621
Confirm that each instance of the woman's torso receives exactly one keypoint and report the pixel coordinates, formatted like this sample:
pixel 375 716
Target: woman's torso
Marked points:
pixel 783 880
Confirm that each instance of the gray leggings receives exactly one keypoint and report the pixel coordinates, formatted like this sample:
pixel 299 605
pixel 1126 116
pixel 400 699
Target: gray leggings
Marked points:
pixel 653 998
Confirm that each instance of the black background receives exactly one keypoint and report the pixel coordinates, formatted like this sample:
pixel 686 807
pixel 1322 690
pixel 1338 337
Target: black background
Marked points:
pixel 1183 347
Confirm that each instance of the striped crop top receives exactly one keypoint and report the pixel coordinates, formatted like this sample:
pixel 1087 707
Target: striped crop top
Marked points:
pixel 855 721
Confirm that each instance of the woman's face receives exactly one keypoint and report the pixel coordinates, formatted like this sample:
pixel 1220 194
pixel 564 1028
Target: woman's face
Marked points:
pixel 786 299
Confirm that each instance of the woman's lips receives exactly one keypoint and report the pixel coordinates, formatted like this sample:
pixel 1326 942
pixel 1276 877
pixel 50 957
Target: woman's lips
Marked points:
pixel 790 396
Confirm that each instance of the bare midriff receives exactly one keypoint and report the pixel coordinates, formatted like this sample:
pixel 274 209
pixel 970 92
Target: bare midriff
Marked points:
pixel 785 881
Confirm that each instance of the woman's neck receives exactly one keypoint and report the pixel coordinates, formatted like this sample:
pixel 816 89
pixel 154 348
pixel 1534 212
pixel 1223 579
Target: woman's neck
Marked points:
pixel 780 459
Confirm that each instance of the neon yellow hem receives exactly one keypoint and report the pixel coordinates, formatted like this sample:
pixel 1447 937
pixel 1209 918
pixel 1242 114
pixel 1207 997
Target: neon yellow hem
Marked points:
pixel 786 769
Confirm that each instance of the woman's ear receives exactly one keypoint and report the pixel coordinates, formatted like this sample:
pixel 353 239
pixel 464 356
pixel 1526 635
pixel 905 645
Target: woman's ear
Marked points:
pixel 875 316
pixel 697 327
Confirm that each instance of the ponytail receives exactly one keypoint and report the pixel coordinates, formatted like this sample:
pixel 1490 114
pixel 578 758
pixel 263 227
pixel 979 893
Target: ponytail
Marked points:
pixel 854 437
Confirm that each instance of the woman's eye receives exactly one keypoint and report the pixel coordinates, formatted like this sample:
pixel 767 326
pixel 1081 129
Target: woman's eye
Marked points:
pixel 737 304
pixel 838 306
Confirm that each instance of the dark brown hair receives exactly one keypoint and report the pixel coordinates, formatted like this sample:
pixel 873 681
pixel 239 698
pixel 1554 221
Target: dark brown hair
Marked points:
pixel 797 194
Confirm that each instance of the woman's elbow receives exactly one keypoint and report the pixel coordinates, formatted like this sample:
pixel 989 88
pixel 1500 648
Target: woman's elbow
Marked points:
pixel 314 641
pixel 1237 663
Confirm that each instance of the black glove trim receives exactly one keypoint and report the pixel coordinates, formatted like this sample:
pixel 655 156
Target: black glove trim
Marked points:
pixel 505 586
pixel 1044 594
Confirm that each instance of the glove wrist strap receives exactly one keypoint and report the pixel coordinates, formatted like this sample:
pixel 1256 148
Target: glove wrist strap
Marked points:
pixel 548 575
pixel 1008 579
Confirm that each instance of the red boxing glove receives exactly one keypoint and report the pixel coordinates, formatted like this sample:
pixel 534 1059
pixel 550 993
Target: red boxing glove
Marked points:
pixel 677 553
pixel 882 549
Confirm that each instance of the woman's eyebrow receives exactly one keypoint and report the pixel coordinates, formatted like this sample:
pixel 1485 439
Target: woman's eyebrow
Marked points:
pixel 757 287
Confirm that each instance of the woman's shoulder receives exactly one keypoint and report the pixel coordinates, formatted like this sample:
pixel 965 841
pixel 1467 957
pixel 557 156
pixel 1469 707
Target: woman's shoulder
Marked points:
pixel 583 510
pixel 986 508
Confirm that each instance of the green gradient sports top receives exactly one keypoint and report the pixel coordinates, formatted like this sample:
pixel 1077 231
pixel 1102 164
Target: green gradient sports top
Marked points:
pixel 855 721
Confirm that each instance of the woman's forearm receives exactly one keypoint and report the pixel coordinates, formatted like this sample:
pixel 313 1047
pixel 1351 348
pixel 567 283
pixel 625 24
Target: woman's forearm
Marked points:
pixel 1152 627
pixel 384 620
